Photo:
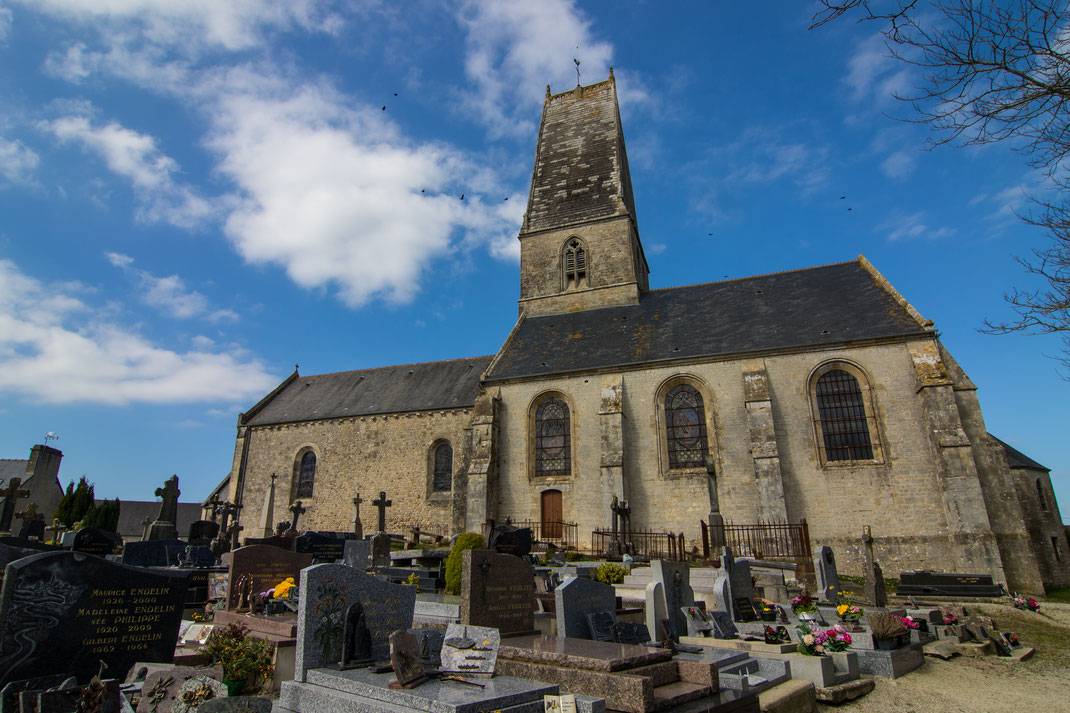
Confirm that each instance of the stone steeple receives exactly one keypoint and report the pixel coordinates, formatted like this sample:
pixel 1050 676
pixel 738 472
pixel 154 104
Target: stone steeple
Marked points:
pixel 579 244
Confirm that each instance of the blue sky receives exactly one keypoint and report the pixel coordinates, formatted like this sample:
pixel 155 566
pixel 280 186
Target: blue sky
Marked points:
pixel 196 196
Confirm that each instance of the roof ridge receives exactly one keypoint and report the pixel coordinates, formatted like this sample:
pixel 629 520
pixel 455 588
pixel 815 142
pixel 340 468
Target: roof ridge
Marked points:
pixel 753 277
pixel 583 87
pixel 399 366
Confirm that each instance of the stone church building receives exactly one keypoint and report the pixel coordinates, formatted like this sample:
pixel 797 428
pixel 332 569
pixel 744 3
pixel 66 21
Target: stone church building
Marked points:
pixel 817 393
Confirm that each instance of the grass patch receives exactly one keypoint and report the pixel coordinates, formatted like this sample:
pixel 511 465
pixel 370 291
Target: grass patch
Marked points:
pixel 1049 637
pixel 890 585
pixel 1058 595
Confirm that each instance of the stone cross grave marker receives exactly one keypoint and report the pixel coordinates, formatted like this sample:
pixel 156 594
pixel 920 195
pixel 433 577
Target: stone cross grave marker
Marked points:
pixel 675 579
pixel 258 568
pixel 470 649
pixel 575 599
pixel 11 495
pixel 497 591
pixel 163 528
pixel 828 578
pixel 358 526
pixel 327 593
pixel 67 611
pixel 297 510
pixel 382 503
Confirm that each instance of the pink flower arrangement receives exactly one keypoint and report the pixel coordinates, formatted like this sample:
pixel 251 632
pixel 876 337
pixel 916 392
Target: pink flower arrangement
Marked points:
pixel 837 639
pixel 908 622
pixel 814 642
pixel 1026 603
pixel 950 619
pixel 804 604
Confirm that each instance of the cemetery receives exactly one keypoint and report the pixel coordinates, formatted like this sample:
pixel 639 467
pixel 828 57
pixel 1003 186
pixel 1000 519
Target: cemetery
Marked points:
pixel 294 621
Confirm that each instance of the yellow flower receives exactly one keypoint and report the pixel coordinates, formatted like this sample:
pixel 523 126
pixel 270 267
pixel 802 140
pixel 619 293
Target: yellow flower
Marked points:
pixel 283 588
pixel 842 609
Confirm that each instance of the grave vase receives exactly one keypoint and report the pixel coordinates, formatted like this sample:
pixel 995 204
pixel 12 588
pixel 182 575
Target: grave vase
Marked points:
pixel 234 688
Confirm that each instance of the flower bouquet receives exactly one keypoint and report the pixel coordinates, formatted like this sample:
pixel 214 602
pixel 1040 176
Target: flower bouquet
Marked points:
pixel 950 619
pixel 849 612
pixel 1026 603
pixel 804 604
pixel 908 622
pixel 811 640
pixel 837 639
pixel 242 657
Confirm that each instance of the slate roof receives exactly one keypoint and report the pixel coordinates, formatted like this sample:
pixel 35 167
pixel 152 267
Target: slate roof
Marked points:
pixel 816 306
pixel 1017 459
pixel 388 389
pixel 132 512
pixel 581 168
pixel 13 468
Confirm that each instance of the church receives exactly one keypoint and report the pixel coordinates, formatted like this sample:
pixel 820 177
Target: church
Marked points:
pixel 817 394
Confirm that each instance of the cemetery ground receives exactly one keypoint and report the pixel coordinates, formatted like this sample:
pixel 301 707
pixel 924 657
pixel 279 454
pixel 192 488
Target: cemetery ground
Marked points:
pixel 984 685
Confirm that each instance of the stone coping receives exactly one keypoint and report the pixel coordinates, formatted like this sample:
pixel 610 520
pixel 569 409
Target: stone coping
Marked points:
pixel 434 696
pixel 758 647
pixel 418 554
pixel 580 653
pixel 284 625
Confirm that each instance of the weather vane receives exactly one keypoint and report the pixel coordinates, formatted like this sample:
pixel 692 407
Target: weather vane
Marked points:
pixel 51 436
pixel 577 71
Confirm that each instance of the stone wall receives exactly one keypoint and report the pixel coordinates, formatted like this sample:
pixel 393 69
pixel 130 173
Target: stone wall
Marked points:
pixel 1047 534
pixel 366 454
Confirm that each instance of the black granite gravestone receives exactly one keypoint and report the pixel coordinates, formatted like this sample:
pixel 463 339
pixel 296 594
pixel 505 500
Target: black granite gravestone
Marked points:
pixel 947 584
pixel 509 540
pixel 67 611
pixel 601 625
pixel 28 544
pixel 202 532
pixel 153 553
pixel 94 541
pixel 323 548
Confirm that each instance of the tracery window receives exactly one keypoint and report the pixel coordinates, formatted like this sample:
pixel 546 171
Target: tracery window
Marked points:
pixel 841 416
pixel 575 264
pixel 685 427
pixel 442 478
pixel 307 475
pixel 553 443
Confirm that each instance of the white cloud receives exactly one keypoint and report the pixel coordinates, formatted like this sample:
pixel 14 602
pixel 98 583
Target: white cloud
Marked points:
pixel 55 348
pixel 912 226
pixel 189 25
pixel 17 162
pixel 331 192
pixel 5 23
pixel 169 294
pixel 656 248
pixel 135 156
pixel 514 48
pixel 873 74
pixel 899 164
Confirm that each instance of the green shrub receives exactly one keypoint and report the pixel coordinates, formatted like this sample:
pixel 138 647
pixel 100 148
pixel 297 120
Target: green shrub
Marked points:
pixel 609 573
pixel 464 541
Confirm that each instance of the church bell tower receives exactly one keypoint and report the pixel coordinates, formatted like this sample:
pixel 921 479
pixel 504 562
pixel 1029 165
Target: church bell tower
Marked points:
pixel 579 244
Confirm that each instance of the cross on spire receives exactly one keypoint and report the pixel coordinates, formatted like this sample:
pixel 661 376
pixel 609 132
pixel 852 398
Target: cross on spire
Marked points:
pixel 577 71
pixel 382 503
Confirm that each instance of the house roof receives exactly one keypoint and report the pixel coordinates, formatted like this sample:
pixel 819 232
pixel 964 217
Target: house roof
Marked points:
pixel 815 306
pixel 13 468
pixel 388 389
pixel 1017 459
pixel 133 512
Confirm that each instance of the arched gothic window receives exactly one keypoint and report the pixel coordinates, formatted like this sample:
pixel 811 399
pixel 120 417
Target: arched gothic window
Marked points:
pixel 841 416
pixel 306 477
pixel 442 478
pixel 685 427
pixel 553 444
pixel 575 264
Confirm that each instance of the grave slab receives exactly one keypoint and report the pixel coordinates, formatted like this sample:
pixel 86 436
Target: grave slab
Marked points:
pixel 574 599
pixel 264 566
pixel 890 664
pixel 497 591
pixel 470 649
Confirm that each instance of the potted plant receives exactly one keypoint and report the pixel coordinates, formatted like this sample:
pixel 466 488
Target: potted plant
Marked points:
pixel 243 658
pixel 805 606
pixel 768 612
pixel 888 631
pixel 837 639
pixel 850 613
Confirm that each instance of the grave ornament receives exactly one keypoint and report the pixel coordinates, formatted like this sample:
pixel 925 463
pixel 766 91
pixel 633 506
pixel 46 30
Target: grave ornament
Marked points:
pixel 470 649
pixel 405 656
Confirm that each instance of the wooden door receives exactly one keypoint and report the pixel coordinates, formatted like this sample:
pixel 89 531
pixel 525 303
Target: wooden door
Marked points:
pixel 551 515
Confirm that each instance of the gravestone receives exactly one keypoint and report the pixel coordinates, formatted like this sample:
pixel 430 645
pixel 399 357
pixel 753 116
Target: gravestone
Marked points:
pixel 655 610
pixel 575 599
pixel 200 556
pixel 430 646
pixel 470 649
pixel 497 591
pixel 67 611
pixel 600 624
pixel 153 553
pixel 948 584
pixel 828 578
pixel 875 592
pixel 357 553
pixel 281 542
pixel 631 633
pixel 509 540
pixel 11 692
pixel 34 545
pixel 723 626
pixel 380 550
pixel 94 541
pixel 263 567
pixel 698 624
pixel 163 528
pixel 675 579
pixel 10 554
pixel 321 547
pixel 327 592
pixel 406 660
pixel 202 532
pixel 102 697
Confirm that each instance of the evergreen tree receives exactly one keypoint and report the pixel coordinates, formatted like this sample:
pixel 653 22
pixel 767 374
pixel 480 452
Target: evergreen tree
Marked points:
pixel 75 503
pixel 63 509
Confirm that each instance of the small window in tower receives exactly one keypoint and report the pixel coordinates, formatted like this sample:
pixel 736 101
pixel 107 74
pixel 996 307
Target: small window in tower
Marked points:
pixel 1040 496
pixel 575 264
pixel 1055 546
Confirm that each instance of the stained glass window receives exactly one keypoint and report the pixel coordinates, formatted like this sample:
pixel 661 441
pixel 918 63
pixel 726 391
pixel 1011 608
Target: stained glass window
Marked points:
pixel 685 420
pixel 552 442
pixel 841 411
pixel 443 476
pixel 307 476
